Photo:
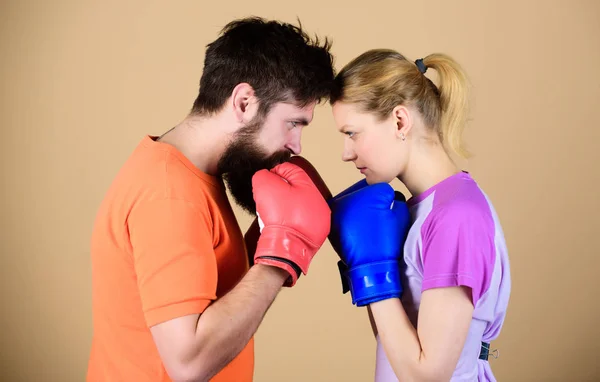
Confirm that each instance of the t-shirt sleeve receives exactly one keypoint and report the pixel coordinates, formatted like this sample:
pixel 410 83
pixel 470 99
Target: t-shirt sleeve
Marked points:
pixel 458 249
pixel 174 258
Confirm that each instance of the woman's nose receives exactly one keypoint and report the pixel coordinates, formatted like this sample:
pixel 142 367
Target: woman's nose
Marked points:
pixel 348 154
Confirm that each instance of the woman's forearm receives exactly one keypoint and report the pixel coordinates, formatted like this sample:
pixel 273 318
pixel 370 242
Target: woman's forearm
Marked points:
pixel 431 352
pixel 399 339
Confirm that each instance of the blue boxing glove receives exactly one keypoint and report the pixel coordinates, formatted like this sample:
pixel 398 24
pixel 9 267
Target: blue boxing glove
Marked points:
pixel 368 230
pixel 334 234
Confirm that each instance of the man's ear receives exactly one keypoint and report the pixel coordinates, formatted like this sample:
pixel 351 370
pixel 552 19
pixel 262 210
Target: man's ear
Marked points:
pixel 244 102
pixel 403 121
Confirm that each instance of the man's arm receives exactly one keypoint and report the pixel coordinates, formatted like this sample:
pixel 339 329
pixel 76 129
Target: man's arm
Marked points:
pixel 177 276
pixel 196 347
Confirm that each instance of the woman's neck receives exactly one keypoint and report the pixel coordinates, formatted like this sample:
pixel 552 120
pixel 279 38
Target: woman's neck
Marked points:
pixel 428 165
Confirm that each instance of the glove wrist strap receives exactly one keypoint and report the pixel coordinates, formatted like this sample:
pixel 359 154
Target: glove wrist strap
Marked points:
pixel 279 244
pixel 374 282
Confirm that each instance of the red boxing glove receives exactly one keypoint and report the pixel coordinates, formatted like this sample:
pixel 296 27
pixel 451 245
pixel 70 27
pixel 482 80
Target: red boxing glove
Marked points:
pixel 253 234
pixel 314 175
pixel 296 219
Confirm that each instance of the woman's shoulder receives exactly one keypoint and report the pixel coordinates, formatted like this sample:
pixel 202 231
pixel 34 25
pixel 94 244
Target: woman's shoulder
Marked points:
pixel 461 198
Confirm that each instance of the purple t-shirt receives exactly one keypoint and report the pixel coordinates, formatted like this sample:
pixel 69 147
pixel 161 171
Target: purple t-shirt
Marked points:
pixel 456 239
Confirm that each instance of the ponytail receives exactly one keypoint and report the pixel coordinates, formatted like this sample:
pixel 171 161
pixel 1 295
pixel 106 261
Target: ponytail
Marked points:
pixel 454 100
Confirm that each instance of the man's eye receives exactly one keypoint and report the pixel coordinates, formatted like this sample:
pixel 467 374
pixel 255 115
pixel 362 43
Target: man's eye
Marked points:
pixel 293 124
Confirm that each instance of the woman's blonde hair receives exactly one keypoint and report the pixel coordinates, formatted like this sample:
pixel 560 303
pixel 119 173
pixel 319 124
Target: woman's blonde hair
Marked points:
pixel 381 79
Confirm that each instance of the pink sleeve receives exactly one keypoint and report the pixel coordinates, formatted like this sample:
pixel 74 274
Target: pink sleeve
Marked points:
pixel 458 248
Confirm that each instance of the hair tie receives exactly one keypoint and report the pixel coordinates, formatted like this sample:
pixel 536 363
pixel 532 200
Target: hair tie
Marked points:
pixel 422 67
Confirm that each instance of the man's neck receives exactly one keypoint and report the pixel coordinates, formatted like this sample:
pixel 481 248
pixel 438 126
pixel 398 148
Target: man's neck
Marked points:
pixel 201 140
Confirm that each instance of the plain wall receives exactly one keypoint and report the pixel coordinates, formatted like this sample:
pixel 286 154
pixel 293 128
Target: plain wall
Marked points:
pixel 81 82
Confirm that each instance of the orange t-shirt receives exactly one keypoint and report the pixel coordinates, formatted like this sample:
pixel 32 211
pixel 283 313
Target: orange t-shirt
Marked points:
pixel 165 244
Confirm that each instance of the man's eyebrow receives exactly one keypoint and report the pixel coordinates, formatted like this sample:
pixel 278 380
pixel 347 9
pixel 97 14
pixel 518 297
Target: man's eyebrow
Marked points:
pixel 301 121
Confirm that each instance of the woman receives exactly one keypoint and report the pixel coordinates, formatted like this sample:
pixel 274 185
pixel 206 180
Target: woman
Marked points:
pixel 434 271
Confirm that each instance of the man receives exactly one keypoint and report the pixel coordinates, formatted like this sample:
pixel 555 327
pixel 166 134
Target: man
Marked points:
pixel 174 297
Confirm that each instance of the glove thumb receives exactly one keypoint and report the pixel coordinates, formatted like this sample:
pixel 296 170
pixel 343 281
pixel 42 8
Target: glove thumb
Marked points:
pixel 262 177
pixel 313 174
pixel 355 187
pixel 292 174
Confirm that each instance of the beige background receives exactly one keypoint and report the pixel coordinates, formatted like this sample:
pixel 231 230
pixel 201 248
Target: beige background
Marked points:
pixel 82 81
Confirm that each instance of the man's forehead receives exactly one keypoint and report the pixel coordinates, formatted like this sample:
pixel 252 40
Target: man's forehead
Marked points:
pixel 305 111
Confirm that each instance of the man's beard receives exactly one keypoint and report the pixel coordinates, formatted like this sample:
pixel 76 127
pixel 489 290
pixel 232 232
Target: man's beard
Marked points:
pixel 242 158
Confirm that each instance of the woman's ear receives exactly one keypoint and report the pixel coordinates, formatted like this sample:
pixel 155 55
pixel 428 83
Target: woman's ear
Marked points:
pixel 403 121
pixel 244 102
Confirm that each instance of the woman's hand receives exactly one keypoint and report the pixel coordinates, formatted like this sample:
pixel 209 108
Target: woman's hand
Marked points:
pixel 368 230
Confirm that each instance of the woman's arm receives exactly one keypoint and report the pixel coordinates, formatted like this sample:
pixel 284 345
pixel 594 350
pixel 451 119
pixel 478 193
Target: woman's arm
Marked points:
pixel 431 352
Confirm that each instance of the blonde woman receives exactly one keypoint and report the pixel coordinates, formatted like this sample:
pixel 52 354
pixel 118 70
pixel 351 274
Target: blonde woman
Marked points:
pixel 434 270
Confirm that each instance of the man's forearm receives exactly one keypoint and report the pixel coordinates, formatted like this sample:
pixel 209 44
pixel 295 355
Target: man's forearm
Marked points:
pixel 226 326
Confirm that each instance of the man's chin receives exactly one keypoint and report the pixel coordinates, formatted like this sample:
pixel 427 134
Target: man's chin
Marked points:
pixel 239 165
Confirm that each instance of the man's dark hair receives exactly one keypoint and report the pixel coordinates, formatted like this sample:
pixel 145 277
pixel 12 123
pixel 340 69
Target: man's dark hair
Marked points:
pixel 279 60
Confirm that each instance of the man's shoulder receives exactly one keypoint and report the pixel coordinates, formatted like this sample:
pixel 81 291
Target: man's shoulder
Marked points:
pixel 160 171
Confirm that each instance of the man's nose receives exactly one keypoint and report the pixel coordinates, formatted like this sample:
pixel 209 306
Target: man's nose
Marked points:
pixel 294 144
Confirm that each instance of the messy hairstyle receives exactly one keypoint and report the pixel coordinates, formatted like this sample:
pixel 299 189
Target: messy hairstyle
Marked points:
pixel 279 60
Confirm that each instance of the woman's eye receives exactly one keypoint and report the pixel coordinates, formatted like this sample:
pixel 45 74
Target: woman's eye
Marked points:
pixel 350 134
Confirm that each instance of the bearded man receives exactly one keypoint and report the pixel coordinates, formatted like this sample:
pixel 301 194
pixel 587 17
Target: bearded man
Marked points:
pixel 175 296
